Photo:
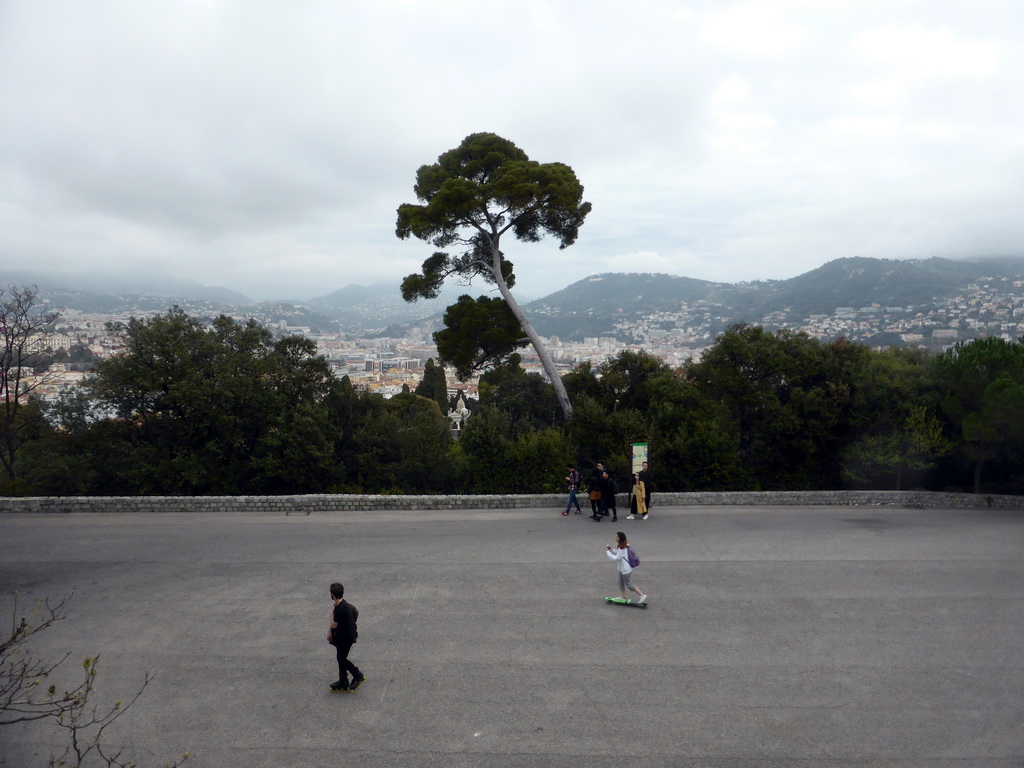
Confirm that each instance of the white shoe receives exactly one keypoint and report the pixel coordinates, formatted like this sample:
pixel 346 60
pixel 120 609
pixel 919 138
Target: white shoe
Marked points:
pixel 642 600
pixel 644 517
pixel 629 517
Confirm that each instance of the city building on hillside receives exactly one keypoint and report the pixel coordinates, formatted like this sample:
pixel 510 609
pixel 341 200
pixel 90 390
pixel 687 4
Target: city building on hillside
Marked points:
pixel 50 341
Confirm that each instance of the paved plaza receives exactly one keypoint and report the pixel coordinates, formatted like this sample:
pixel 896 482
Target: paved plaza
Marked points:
pixel 776 636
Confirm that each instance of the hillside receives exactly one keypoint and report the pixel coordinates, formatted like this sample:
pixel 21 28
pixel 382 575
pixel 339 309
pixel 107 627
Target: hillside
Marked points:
pixel 90 292
pixel 602 304
pixel 615 290
pixel 599 305
pixel 858 282
pixel 361 308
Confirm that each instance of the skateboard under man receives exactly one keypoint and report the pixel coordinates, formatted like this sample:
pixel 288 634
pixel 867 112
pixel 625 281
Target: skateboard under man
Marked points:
pixel 625 601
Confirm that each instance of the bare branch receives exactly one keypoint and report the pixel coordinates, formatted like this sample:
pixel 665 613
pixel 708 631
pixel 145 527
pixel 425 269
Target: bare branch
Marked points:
pixel 25 695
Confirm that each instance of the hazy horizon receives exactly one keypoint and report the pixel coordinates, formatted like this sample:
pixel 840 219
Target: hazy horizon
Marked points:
pixel 97 280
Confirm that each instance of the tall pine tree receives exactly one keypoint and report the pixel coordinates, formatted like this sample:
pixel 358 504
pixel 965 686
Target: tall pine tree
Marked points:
pixel 434 384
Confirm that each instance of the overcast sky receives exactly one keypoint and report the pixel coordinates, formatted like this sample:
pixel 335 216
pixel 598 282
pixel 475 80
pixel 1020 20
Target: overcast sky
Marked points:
pixel 264 146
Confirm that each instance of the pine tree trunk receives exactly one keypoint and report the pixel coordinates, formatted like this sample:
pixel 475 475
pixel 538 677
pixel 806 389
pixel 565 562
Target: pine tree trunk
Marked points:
pixel 542 351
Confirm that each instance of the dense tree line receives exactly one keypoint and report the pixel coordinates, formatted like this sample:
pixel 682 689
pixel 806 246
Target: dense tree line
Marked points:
pixel 226 409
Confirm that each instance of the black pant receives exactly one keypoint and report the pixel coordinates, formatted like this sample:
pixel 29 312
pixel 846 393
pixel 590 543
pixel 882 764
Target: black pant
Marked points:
pixel 346 667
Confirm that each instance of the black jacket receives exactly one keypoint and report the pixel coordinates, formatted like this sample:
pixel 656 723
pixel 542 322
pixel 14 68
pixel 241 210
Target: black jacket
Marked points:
pixel 345 616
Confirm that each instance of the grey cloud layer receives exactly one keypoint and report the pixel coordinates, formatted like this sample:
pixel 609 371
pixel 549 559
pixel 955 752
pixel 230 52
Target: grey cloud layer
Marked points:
pixel 266 146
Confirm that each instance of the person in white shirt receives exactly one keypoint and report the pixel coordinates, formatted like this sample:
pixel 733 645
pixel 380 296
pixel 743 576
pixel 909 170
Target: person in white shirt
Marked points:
pixel 620 554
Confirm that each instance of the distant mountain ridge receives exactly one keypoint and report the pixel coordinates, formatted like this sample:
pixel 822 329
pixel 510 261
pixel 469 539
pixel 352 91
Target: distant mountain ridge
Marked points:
pixel 613 289
pixel 107 284
pixel 377 306
pixel 594 306
pixel 354 308
pixel 859 281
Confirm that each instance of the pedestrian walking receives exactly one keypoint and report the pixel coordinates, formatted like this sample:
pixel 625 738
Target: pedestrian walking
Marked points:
pixel 608 491
pixel 342 635
pixel 573 480
pixel 637 502
pixel 645 477
pixel 596 507
pixel 620 554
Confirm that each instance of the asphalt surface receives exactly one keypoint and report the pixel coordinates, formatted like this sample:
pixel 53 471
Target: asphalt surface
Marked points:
pixel 816 636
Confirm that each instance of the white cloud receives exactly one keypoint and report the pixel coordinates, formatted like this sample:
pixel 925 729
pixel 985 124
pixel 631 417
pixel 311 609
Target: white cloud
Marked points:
pixel 732 89
pixel 915 52
pixel 910 54
pixel 876 126
pixel 640 261
pixel 744 121
pixel 760 28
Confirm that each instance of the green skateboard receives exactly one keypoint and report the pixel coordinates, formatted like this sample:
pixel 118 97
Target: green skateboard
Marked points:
pixel 625 601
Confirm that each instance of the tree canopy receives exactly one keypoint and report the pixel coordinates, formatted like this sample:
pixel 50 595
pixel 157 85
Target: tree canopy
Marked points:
pixel 983 399
pixel 224 408
pixel 219 409
pixel 478 333
pixel 21 324
pixel 434 385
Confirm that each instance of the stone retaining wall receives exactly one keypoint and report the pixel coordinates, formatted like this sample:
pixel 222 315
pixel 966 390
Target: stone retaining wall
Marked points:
pixel 306 504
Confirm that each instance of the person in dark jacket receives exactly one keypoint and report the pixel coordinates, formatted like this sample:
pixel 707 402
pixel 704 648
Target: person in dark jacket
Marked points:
pixel 608 491
pixel 596 507
pixel 342 636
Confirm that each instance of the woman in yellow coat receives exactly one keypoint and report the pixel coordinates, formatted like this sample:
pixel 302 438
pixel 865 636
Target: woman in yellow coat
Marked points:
pixel 637 505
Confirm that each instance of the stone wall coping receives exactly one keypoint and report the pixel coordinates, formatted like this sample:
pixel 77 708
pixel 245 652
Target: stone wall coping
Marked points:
pixel 325 502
